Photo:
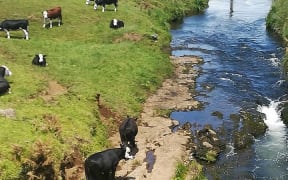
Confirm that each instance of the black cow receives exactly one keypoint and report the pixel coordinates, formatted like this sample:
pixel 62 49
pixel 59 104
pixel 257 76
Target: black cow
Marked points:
pixel 102 165
pixel 128 130
pixel 16 24
pixel 39 60
pixel 4 84
pixel 116 23
pixel 104 2
pixel 54 13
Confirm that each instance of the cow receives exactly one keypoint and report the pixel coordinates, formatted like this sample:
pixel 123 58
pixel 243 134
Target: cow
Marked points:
pixel 104 2
pixel 54 13
pixel 116 23
pixel 102 165
pixel 4 84
pixel 15 24
pixel 39 60
pixel 128 130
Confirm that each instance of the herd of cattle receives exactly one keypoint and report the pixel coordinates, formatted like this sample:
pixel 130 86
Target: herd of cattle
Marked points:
pixel 54 13
pixel 101 165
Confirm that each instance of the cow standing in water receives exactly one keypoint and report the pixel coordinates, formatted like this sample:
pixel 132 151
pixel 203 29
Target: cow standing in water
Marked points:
pixel 102 165
pixel 4 84
pixel 54 13
pixel 17 24
pixel 128 131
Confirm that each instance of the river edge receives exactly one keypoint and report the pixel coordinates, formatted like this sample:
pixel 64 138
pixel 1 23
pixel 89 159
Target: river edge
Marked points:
pixel 155 134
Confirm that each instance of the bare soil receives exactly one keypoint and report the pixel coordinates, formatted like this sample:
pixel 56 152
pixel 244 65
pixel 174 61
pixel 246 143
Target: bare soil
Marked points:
pixel 155 136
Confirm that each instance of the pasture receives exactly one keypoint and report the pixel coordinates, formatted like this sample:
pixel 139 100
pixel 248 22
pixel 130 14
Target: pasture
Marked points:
pixel 54 107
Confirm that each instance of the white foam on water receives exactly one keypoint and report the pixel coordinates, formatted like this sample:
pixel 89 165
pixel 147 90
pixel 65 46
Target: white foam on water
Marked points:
pixel 272 149
pixel 273 119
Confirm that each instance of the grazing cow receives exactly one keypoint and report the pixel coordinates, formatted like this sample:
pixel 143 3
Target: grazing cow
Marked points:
pixel 16 24
pixel 39 60
pixel 116 23
pixel 102 165
pixel 54 13
pixel 4 84
pixel 128 130
pixel 104 2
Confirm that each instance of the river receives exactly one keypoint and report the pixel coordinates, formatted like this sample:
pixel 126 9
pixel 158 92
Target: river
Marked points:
pixel 242 67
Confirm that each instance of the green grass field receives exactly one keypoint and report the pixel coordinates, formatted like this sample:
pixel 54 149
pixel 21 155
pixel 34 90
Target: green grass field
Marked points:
pixel 85 57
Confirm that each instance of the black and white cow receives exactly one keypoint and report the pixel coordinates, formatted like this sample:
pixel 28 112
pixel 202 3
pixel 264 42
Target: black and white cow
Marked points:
pixel 102 165
pixel 103 3
pixel 116 23
pixel 39 60
pixel 54 13
pixel 15 24
pixel 128 130
pixel 4 84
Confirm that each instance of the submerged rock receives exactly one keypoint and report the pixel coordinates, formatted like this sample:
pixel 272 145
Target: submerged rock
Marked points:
pixel 207 145
pixel 251 127
pixel 284 114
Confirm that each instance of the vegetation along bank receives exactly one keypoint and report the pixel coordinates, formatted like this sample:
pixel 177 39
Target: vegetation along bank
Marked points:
pixel 53 117
pixel 277 21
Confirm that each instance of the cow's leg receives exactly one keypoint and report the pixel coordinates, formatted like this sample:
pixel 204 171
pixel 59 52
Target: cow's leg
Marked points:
pixel 50 23
pixel 8 34
pixel 95 6
pixel 111 174
pixel 115 9
pixel 44 22
pixel 59 21
pixel 87 2
pixel 133 142
pixel 26 34
pixel 103 7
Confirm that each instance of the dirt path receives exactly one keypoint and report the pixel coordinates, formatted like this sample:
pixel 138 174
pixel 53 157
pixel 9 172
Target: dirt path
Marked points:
pixel 155 136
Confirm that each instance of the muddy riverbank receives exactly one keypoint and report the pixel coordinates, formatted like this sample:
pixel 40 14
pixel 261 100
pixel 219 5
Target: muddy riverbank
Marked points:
pixel 155 137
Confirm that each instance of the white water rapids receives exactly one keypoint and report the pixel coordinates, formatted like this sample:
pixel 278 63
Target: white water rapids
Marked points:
pixel 274 148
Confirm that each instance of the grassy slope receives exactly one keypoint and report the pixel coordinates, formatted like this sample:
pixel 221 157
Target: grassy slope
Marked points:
pixel 277 20
pixel 84 57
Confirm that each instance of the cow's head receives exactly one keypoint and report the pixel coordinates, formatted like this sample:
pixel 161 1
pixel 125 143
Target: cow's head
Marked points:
pixel 128 151
pixel 5 71
pixel 41 57
pixel 45 14
pixel 115 21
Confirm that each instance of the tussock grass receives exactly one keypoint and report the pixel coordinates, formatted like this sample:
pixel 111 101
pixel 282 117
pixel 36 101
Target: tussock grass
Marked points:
pixel 84 58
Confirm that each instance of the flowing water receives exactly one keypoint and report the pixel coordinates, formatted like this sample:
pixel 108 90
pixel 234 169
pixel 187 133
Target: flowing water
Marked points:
pixel 242 69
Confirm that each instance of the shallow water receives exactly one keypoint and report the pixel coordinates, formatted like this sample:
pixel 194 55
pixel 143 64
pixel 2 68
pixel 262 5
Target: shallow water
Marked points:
pixel 242 65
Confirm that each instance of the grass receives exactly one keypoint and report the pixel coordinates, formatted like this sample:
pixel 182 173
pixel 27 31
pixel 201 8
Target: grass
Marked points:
pixel 277 21
pixel 85 57
pixel 191 170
